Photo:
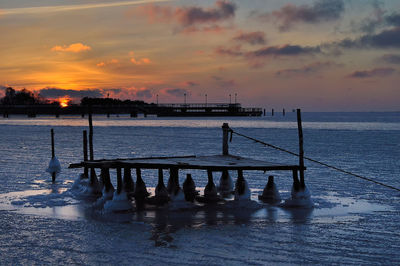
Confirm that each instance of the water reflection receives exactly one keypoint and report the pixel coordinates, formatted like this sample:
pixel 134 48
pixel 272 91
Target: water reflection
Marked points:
pixel 58 203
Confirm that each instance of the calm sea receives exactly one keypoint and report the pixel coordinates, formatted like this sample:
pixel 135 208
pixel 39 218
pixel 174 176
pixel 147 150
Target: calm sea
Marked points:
pixel 353 222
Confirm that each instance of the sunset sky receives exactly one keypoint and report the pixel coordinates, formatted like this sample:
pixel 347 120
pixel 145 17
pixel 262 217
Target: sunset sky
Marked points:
pixel 320 55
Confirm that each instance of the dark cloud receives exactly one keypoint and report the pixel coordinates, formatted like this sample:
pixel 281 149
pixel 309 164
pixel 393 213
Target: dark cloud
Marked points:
pixel 190 16
pixel 145 93
pixel 223 82
pixel 374 20
pixel 56 92
pixel 177 92
pixel 190 83
pixel 376 72
pixel 257 58
pixel 204 29
pixel 393 19
pixel 319 11
pixel 386 39
pixel 113 90
pixel 310 69
pixel 284 50
pixel 229 51
pixel 254 38
pixel 391 58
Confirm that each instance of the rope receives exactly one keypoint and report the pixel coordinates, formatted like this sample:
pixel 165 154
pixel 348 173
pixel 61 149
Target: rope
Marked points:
pixel 312 160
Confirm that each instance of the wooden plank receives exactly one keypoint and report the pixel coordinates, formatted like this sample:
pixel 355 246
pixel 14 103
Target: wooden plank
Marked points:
pixel 213 162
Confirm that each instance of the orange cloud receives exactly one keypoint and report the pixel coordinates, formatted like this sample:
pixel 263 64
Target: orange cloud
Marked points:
pixel 141 61
pixel 73 48
pixel 111 62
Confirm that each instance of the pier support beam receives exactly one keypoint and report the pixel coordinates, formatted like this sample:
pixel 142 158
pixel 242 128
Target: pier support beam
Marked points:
pixel 53 154
pixel 85 153
pixel 90 134
pixel 296 183
pixel 301 150
pixel 225 133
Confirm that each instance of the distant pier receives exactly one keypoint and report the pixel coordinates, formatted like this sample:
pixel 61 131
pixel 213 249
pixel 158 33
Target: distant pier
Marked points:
pixel 160 110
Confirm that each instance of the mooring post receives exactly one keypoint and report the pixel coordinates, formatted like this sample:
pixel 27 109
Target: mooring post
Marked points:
pixel 52 143
pixel 85 153
pixel 296 184
pixel 53 154
pixel 272 112
pixel 301 151
pixel 90 133
pixel 91 157
pixel 225 133
pixel 283 112
pixel 119 180
pixel 265 112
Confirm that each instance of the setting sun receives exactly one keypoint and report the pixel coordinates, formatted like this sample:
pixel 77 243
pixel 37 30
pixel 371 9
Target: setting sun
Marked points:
pixel 64 101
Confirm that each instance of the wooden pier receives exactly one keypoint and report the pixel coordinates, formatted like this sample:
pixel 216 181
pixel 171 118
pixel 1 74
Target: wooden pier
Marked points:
pixel 210 163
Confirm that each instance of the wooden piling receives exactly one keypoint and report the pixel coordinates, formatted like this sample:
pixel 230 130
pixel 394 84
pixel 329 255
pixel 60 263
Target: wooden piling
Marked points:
pixel 90 133
pixel 301 150
pixel 283 112
pixel 272 112
pixel 225 133
pixel 52 143
pixel 265 112
pixel 296 184
pixel 85 152
pixel 53 154
pixel 119 180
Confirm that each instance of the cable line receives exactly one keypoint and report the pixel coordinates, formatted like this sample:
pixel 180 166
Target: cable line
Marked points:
pixel 312 160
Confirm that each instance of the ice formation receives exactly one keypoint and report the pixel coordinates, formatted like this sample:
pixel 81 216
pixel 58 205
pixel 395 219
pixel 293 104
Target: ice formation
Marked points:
pixel 54 166
pixel 299 199
pixel 225 183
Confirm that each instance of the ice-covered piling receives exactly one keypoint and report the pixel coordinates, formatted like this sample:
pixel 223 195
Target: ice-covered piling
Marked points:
pixel 120 201
pixel 225 183
pixel 161 194
pixel 94 186
pixel 108 189
pixel 85 153
pixel 129 185
pixel 189 188
pixel 210 191
pixel 173 181
pixel 54 165
pixel 141 191
pixel 242 190
pixel 270 193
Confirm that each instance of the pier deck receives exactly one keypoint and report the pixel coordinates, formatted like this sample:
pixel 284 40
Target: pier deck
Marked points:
pixel 211 162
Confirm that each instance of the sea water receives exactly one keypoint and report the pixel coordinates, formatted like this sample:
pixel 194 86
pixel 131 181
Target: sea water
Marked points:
pixel 352 222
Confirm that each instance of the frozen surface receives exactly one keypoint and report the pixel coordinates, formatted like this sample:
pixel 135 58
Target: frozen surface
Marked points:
pixel 352 222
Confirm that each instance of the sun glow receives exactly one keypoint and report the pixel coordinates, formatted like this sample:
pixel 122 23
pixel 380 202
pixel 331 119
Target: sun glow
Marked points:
pixel 64 101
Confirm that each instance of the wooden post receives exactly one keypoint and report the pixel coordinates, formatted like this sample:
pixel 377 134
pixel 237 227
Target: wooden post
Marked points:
pixel 53 154
pixel 225 133
pixel 301 151
pixel 85 152
pixel 52 143
pixel 296 184
pixel 265 112
pixel 90 134
pixel 283 112
pixel 119 180
pixel 272 112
